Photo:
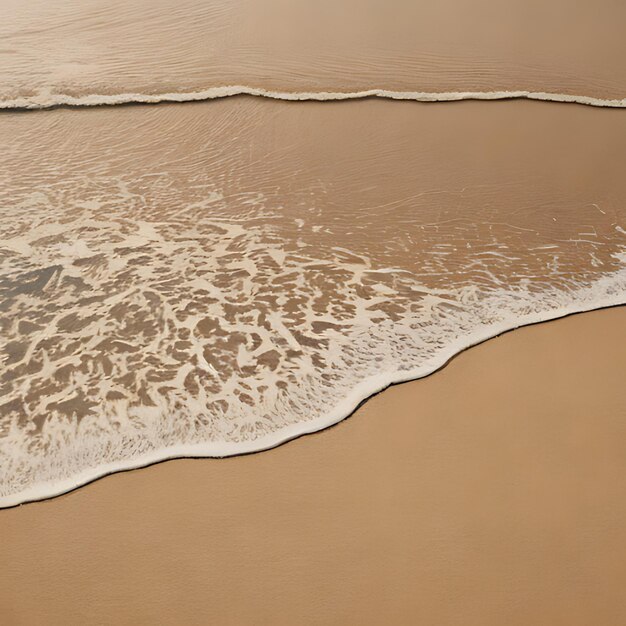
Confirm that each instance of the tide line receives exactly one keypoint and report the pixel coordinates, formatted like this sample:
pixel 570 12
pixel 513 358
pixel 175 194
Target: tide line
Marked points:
pixel 47 100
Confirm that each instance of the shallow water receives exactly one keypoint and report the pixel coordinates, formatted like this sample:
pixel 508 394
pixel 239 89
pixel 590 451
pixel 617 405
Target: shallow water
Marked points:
pixel 90 51
pixel 215 278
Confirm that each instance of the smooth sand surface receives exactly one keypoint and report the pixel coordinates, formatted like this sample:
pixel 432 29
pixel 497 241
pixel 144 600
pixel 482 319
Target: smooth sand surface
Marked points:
pixel 489 493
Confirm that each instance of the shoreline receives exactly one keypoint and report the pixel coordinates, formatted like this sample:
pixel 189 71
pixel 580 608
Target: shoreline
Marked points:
pixel 52 101
pixel 356 398
pixel 472 234
pixel 461 498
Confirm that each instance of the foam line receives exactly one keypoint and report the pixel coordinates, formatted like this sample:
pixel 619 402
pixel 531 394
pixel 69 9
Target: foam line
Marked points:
pixel 51 100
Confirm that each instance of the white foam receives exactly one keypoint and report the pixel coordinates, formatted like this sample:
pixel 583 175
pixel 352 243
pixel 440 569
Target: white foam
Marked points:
pixel 608 291
pixel 46 100
pixel 185 261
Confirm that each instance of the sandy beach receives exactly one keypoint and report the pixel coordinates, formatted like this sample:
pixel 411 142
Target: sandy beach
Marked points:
pixel 312 313
pixel 490 492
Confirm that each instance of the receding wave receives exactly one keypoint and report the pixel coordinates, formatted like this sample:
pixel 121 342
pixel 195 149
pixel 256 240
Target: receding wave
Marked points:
pixel 217 278
pixel 51 100
pixel 77 454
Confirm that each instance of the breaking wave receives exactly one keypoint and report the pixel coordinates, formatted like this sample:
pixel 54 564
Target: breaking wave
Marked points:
pixel 47 100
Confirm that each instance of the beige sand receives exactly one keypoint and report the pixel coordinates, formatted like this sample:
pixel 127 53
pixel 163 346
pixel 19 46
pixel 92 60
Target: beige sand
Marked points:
pixel 83 47
pixel 489 493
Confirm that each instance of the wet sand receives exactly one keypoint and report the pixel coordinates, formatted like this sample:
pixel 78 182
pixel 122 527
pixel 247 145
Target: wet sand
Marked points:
pixel 489 493
pixel 82 47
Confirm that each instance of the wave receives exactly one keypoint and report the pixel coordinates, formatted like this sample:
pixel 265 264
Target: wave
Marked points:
pixel 607 292
pixel 216 280
pixel 46 100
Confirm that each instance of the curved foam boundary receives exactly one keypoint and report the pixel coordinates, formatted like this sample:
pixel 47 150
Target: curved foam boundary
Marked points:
pixel 356 396
pixel 50 100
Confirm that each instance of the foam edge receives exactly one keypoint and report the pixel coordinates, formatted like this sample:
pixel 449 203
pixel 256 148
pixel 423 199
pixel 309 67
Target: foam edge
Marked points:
pixel 344 409
pixel 51 100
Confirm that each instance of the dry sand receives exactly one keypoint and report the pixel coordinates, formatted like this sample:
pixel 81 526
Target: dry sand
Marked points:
pixel 489 493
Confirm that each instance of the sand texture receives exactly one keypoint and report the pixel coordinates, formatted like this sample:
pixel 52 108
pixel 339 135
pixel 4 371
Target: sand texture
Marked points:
pixel 489 493
pixel 227 227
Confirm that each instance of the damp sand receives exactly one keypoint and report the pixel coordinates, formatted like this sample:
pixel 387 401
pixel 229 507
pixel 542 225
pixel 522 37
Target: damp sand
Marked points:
pixel 488 493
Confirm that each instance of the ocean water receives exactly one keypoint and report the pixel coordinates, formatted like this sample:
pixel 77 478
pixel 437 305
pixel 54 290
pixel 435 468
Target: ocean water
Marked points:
pixel 214 278
pixel 89 51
